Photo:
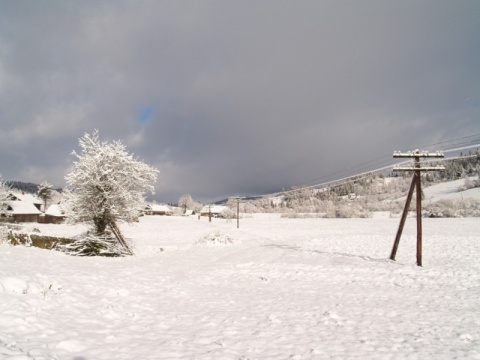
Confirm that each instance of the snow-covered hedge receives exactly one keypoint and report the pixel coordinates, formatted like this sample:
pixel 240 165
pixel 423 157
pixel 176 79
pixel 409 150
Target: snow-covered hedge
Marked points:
pixel 453 208
pixel 85 246
pixel 469 184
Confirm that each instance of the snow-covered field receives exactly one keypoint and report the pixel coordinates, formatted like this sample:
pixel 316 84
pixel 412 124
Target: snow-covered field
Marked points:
pixel 285 289
pixel 449 191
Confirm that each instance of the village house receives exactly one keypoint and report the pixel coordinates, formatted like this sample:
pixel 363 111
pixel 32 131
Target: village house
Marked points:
pixel 54 215
pixel 214 210
pixel 23 207
pixel 156 209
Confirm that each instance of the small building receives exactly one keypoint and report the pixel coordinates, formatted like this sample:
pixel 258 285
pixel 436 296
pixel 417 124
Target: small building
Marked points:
pixel 55 214
pixel 26 198
pixel 214 210
pixel 156 209
pixel 21 211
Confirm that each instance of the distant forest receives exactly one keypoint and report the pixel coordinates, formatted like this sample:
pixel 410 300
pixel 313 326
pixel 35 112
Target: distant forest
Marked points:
pixel 361 195
pixel 357 196
pixel 27 187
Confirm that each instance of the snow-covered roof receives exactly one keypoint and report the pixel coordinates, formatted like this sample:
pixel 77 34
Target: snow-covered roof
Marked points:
pixel 159 207
pixel 55 210
pixel 22 207
pixel 20 196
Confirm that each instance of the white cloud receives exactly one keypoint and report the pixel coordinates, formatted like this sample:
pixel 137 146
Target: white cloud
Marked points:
pixel 66 119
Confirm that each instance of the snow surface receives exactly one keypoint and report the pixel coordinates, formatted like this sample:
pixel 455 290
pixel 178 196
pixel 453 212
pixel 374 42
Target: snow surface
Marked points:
pixel 449 191
pixel 281 289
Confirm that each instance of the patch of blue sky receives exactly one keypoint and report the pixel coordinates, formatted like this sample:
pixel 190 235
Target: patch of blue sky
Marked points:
pixel 146 114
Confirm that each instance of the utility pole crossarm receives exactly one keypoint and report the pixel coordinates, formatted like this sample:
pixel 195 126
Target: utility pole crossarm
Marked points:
pixel 417 154
pixel 411 168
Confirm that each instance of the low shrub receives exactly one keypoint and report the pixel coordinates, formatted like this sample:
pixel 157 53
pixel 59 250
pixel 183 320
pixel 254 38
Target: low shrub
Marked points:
pixel 216 238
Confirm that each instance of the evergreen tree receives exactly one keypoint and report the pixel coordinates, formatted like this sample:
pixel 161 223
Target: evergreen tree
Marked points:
pixel 45 193
pixel 4 195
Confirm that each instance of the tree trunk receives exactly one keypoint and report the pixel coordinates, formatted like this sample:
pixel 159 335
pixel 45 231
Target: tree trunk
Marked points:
pixel 100 225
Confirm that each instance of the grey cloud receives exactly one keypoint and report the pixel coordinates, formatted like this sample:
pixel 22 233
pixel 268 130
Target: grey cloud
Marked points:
pixel 246 97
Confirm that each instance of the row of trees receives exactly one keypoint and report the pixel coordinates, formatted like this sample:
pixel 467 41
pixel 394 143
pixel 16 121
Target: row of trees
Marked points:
pixel 361 195
pixel 186 202
pixel 107 184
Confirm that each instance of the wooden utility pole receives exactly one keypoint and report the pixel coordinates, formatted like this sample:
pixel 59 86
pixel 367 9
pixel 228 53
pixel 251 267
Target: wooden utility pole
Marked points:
pixel 238 198
pixel 416 184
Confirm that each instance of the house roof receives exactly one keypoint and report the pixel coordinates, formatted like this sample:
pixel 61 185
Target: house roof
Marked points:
pixel 22 208
pixel 160 208
pixel 55 210
pixel 20 196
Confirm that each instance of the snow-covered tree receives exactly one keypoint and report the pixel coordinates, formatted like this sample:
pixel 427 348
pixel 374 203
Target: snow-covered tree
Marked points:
pixel 45 192
pixel 106 184
pixel 4 195
pixel 186 201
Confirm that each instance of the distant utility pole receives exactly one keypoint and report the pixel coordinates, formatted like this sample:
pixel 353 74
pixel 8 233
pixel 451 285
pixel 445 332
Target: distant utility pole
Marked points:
pixel 238 198
pixel 416 183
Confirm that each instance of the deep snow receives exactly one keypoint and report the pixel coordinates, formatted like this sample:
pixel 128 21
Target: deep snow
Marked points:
pixel 286 288
pixel 449 190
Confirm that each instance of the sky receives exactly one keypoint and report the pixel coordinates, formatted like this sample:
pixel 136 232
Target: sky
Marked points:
pixel 238 97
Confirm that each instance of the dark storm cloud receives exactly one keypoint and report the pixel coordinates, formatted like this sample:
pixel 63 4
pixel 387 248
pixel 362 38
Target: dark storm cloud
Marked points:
pixel 234 97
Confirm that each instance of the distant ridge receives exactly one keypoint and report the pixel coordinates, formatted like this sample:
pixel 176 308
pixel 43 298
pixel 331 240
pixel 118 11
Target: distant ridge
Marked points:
pixel 27 187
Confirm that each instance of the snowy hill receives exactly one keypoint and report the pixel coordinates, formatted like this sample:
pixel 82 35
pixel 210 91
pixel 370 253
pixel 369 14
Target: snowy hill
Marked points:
pixel 450 191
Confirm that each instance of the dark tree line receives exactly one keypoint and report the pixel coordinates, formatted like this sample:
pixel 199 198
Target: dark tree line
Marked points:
pixel 27 187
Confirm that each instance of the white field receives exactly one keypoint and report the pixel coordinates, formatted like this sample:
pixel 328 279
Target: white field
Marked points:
pixel 449 191
pixel 286 289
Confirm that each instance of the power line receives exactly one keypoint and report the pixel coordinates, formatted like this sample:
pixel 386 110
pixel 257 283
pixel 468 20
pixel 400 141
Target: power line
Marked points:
pixel 385 160
pixel 360 176
pixel 462 148
pixel 449 141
